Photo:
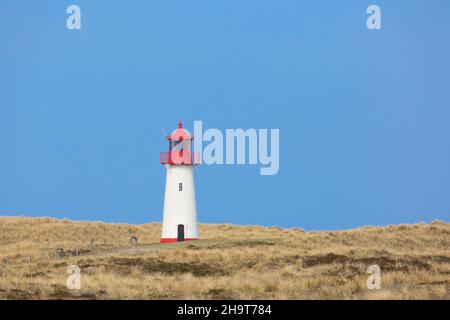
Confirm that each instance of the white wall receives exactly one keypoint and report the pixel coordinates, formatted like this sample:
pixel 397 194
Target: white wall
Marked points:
pixel 180 206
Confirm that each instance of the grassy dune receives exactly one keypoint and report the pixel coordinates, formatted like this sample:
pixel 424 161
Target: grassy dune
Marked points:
pixel 229 262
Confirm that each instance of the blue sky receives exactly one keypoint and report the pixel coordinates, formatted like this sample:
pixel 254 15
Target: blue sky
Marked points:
pixel 364 116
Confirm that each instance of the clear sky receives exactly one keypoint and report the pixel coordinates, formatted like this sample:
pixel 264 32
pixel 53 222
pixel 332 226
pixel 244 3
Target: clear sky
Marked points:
pixel 364 116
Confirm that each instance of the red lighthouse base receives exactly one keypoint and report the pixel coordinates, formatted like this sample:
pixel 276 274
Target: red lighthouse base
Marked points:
pixel 167 240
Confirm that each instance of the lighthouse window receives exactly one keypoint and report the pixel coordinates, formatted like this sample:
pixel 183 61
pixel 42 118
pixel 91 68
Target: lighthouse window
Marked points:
pixel 180 187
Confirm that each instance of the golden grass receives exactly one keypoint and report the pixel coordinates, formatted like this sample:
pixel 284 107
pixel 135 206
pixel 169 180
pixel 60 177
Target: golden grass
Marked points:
pixel 229 262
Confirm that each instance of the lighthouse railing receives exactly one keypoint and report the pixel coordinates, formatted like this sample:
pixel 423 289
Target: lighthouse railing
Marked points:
pixel 180 157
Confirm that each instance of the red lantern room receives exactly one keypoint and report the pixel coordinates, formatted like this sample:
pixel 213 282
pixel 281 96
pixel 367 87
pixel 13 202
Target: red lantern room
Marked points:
pixel 180 148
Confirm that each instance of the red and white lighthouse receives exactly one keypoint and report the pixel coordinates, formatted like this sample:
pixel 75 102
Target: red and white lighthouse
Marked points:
pixel 180 212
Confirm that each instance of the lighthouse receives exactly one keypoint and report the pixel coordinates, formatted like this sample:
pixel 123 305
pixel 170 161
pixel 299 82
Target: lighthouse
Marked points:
pixel 180 212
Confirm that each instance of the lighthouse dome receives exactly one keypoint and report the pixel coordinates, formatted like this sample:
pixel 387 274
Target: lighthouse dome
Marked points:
pixel 180 133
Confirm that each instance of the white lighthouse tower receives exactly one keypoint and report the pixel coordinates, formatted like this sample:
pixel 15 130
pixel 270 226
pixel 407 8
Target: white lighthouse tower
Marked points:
pixel 180 212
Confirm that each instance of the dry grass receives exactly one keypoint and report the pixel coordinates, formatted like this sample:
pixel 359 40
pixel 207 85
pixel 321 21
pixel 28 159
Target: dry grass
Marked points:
pixel 258 263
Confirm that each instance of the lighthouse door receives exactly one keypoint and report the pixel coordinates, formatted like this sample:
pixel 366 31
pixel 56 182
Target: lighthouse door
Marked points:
pixel 180 232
